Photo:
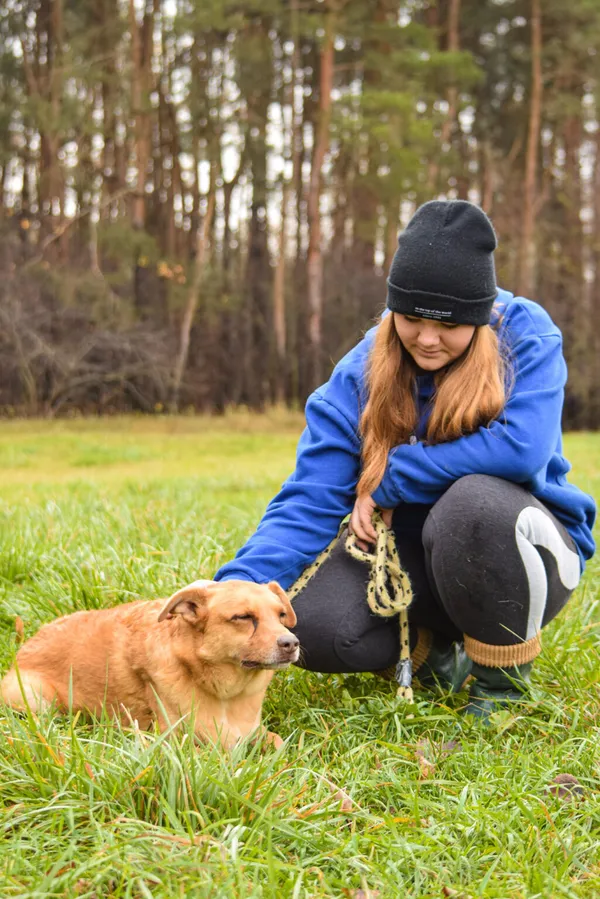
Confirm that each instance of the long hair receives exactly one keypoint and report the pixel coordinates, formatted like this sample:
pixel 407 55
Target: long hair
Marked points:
pixel 469 393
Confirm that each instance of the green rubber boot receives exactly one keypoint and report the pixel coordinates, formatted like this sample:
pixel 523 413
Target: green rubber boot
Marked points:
pixel 446 667
pixel 496 688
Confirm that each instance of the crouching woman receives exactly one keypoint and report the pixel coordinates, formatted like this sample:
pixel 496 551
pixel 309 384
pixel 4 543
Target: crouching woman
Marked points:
pixel 446 416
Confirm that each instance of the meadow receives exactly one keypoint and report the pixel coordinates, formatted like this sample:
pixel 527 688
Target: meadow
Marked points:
pixel 95 513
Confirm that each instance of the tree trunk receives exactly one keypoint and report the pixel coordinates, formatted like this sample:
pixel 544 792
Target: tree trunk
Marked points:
pixel 594 413
pixel 193 295
pixel 280 385
pixel 573 295
pixel 257 78
pixel 525 281
pixel 296 311
pixel 314 262
pixel 449 123
pixel 113 173
pixel 141 57
pixel 44 78
pixel 258 274
pixel 297 140
pixel 279 323
pixel 488 178
pixel 391 232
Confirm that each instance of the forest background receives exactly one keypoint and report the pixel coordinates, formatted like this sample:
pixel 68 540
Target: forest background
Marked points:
pixel 199 201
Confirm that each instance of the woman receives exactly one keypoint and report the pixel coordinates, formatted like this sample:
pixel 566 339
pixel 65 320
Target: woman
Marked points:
pixel 447 418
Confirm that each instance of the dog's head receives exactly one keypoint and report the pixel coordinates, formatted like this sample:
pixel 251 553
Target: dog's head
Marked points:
pixel 238 622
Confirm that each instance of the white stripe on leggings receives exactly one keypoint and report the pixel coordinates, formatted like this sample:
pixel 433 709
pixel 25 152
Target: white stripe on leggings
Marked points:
pixel 533 528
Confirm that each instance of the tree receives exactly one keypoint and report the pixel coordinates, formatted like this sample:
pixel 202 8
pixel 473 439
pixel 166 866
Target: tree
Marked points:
pixel 230 180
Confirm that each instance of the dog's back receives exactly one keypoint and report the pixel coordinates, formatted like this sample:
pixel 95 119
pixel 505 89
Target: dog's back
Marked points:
pixel 84 661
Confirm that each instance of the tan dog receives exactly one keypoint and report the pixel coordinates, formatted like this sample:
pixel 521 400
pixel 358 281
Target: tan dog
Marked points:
pixel 210 652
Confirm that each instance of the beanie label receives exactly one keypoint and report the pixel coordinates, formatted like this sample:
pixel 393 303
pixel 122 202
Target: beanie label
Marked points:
pixel 440 308
pixel 444 312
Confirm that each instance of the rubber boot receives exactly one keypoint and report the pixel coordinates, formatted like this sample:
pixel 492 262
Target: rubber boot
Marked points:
pixel 496 688
pixel 446 667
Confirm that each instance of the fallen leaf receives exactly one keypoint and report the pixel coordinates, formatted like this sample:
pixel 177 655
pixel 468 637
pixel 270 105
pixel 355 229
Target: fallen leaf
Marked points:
pixel 197 840
pixel 456 894
pixel 451 746
pixel 426 768
pixel 363 894
pixel 567 787
pixel 68 867
pixel 503 720
pixel 19 629
pixel 346 803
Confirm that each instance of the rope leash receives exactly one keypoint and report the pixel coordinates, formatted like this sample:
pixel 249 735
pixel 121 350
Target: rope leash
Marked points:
pixel 388 592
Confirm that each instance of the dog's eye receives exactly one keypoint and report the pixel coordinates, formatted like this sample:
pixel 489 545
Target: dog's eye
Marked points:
pixel 242 618
pixel 282 615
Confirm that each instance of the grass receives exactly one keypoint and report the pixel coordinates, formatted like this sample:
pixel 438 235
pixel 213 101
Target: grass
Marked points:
pixel 96 513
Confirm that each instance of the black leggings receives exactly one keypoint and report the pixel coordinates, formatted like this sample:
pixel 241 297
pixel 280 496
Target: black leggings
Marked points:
pixel 488 560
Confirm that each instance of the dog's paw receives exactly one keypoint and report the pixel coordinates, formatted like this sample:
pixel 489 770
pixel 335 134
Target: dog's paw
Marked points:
pixel 273 740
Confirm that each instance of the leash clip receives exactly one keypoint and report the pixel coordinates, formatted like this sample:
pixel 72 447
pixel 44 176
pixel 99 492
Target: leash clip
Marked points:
pixel 404 672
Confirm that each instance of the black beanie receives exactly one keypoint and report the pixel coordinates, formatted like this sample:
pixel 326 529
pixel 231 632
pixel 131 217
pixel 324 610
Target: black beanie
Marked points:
pixel 444 265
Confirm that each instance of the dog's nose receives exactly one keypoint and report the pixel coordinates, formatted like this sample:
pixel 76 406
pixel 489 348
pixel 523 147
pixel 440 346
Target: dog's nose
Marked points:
pixel 288 642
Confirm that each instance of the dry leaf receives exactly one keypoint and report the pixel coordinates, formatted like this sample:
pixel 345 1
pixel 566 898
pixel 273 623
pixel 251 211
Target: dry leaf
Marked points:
pixel 68 867
pixel 19 629
pixel 197 840
pixel 363 894
pixel 425 751
pixel 426 768
pixel 346 803
pixel 567 787
pixel 451 746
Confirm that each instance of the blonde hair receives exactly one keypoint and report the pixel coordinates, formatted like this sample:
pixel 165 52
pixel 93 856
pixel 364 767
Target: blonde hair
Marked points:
pixel 469 393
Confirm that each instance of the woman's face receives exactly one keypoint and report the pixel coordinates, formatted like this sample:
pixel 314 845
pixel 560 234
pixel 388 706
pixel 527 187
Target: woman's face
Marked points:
pixel 432 344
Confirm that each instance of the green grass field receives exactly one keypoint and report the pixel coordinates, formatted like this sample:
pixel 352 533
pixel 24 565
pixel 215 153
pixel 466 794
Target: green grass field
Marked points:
pixel 95 513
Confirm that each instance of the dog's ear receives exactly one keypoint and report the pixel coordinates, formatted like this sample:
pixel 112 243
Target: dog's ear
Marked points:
pixel 291 615
pixel 189 602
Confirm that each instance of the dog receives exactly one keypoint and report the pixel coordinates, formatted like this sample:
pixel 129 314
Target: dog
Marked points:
pixel 209 652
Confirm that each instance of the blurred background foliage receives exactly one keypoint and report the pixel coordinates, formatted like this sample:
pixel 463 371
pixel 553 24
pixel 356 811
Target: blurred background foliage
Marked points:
pixel 199 202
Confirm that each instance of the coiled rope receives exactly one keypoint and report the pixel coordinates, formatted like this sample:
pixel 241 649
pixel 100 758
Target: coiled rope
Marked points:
pixel 388 592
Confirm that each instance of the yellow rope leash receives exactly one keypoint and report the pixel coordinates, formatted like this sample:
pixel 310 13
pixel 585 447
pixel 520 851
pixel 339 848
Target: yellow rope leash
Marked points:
pixel 388 593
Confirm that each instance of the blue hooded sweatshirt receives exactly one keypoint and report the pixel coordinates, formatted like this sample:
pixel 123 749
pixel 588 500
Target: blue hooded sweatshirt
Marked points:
pixel 523 445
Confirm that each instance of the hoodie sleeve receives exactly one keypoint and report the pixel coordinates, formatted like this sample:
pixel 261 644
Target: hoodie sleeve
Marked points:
pixel 515 447
pixel 306 513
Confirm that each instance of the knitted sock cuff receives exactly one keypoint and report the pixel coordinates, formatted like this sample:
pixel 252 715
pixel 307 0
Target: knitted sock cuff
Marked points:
pixel 503 656
pixel 422 648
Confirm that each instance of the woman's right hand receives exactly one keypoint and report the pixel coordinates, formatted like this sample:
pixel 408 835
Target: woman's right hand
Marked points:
pixel 361 521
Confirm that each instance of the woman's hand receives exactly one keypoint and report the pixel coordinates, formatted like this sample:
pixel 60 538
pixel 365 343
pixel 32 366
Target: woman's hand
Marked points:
pixel 361 520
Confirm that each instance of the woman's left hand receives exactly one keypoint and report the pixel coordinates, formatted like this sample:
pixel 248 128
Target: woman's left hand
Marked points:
pixel 361 520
